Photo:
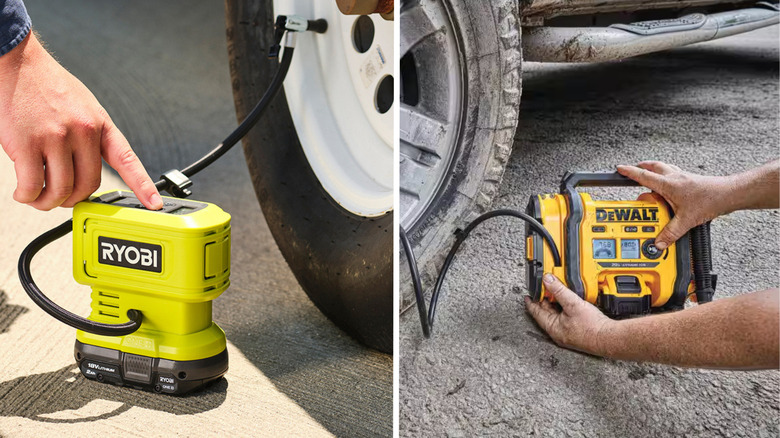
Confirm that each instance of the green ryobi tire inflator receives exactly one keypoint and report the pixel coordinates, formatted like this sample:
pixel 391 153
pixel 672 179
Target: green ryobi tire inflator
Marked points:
pixel 168 265
pixel 154 274
pixel 602 250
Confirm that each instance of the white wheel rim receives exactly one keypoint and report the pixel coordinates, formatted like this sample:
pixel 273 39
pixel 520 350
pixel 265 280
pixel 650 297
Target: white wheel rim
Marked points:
pixel 331 92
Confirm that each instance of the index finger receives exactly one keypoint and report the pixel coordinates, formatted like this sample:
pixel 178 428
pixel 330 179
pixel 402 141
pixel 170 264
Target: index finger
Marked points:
pixel 119 155
pixel 651 180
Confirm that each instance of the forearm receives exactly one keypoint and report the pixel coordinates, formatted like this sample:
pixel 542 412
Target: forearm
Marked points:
pixel 11 62
pixel 734 333
pixel 755 189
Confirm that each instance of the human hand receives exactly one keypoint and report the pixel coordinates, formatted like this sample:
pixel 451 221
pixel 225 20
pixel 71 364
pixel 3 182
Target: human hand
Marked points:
pixel 578 326
pixel 55 131
pixel 695 199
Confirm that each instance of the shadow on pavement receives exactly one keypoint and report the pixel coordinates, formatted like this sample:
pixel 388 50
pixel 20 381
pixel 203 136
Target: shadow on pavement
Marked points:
pixel 344 386
pixel 637 81
pixel 8 312
pixel 37 395
pixel 587 112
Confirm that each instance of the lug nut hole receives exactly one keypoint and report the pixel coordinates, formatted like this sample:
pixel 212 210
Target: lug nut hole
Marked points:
pixel 385 94
pixel 363 33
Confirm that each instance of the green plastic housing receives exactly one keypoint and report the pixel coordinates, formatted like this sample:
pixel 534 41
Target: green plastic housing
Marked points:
pixel 176 261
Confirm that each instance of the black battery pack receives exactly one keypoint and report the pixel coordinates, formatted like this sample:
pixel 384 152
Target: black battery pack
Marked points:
pixel 155 374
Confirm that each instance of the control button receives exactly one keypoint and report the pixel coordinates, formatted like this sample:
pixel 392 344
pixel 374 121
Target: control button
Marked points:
pixel 649 249
pixel 627 284
pixel 599 229
pixel 630 229
pixel 648 229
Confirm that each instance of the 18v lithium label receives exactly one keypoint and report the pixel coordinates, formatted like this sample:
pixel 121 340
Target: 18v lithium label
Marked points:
pixel 129 254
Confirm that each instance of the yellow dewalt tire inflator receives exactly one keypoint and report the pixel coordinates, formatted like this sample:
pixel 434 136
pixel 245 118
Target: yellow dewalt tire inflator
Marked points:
pixel 604 251
pixel 607 251
pixel 153 275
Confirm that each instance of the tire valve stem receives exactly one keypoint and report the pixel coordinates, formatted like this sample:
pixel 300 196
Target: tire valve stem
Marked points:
pixel 293 23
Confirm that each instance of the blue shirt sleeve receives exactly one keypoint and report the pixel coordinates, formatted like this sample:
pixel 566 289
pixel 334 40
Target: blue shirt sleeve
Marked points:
pixel 15 24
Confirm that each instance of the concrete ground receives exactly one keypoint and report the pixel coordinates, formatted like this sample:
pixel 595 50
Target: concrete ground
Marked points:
pixel 488 370
pixel 161 71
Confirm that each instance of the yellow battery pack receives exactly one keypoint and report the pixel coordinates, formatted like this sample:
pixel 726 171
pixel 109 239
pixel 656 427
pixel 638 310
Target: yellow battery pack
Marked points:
pixel 168 265
pixel 607 248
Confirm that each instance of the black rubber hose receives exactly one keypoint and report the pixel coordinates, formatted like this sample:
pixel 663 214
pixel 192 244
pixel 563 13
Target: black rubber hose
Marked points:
pixel 427 320
pixel 701 254
pixel 53 309
pixel 250 121
pixel 418 292
pixel 134 315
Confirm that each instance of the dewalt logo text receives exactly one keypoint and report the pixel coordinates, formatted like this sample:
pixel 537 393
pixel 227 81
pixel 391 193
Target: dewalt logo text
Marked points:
pixel 626 215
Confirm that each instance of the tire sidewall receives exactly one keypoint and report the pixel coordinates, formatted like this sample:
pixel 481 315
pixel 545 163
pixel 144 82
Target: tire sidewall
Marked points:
pixel 488 38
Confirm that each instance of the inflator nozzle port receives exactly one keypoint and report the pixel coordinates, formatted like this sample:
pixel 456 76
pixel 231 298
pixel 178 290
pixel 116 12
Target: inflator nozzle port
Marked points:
pixel 135 316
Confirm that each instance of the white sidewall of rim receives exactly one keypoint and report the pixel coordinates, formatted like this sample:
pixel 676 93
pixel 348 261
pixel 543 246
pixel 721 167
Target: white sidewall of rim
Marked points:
pixel 347 142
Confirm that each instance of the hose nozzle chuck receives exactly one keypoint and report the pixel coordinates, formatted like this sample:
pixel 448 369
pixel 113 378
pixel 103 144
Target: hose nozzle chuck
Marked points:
pixel 293 23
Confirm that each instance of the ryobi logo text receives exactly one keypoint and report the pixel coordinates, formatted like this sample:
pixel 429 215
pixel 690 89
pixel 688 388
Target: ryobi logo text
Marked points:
pixel 129 254
pixel 626 215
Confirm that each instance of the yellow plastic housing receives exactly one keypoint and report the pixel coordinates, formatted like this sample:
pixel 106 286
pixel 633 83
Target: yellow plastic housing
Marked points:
pixel 657 281
pixel 193 260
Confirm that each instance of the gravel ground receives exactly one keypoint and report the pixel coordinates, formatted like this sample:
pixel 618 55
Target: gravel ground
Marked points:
pixel 161 71
pixel 709 108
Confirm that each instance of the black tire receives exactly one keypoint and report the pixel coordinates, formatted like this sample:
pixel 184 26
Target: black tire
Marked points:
pixel 342 261
pixel 488 35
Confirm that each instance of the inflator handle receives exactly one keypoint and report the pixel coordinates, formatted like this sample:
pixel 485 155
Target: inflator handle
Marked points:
pixel 572 180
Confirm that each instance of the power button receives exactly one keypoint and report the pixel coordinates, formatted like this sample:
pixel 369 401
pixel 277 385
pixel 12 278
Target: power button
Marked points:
pixel 649 249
